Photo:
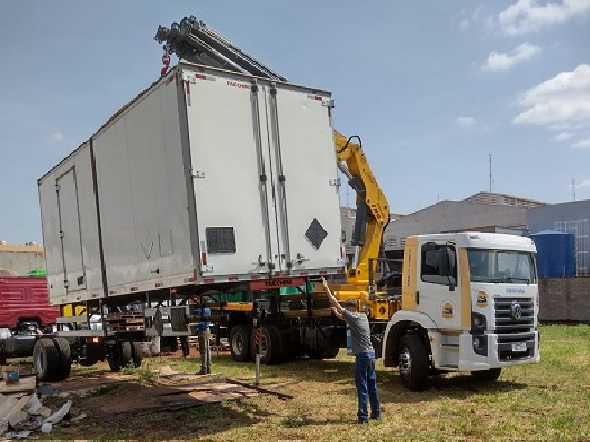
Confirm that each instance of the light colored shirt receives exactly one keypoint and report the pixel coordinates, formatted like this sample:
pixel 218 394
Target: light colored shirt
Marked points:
pixel 359 331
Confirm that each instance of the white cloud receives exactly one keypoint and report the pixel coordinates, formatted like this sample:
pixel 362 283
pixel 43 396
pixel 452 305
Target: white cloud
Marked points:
pixel 57 137
pixel 527 16
pixel 583 184
pixel 582 144
pixel 562 101
pixel 502 62
pixel 465 121
pixel 563 136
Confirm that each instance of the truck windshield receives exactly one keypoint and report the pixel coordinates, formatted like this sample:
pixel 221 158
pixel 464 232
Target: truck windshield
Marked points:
pixel 501 266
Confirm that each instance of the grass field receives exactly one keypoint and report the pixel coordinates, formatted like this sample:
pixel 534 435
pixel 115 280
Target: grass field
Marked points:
pixel 547 401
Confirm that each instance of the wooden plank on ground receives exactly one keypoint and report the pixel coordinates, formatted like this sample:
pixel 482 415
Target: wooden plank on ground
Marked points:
pixel 261 389
pixel 25 385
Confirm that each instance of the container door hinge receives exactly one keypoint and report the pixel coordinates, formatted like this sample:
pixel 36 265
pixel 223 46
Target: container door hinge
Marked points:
pixel 335 182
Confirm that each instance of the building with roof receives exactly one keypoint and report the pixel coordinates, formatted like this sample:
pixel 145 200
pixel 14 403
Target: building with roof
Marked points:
pixel 21 259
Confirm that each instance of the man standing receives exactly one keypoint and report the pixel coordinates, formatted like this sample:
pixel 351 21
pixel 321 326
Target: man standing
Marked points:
pixel 365 377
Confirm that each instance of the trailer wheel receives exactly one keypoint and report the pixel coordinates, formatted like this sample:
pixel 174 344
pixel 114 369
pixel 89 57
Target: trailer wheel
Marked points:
pixel 286 350
pixel 324 353
pixel 487 375
pixel 270 352
pixel 239 342
pixel 137 354
pixel 123 357
pixel 46 360
pixel 413 363
pixel 330 352
pixel 65 358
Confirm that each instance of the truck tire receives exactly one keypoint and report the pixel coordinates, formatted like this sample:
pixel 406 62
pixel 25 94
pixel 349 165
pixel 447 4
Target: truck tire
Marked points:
pixel 324 353
pixel 137 354
pixel 45 360
pixel 413 363
pixel 487 375
pixel 239 342
pixel 330 352
pixel 287 353
pixel 271 345
pixel 65 358
pixel 126 353
pixel 123 357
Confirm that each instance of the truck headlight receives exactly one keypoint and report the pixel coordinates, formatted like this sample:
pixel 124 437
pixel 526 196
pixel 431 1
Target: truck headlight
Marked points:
pixel 478 321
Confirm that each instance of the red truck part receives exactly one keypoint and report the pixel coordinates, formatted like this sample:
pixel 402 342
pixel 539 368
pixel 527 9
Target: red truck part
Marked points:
pixel 25 299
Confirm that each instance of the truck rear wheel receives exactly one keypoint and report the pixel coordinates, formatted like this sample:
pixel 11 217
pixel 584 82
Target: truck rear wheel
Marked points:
pixel 65 358
pixel 46 360
pixel 239 342
pixel 413 363
pixel 324 353
pixel 124 354
pixel 137 354
pixel 270 345
pixel 487 375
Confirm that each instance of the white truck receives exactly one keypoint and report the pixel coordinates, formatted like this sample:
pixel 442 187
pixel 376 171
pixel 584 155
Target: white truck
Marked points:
pixel 208 179
pixel 469 302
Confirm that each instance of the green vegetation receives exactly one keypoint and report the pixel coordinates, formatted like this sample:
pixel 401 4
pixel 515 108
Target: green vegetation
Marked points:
pixel 542 402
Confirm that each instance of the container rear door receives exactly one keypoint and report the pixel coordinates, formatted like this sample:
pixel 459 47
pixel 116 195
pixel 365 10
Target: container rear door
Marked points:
pixel 231 175
pixel 69 217
pixel 304 162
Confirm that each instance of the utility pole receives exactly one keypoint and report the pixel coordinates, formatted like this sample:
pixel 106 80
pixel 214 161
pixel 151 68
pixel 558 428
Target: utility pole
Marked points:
pixel 573 189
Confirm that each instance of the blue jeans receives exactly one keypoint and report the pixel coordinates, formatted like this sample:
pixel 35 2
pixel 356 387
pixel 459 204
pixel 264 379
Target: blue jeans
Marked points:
pixel 366 386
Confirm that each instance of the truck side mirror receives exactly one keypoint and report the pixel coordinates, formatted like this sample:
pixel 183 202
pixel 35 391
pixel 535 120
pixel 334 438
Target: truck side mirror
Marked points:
pixel 443 262
pixel 444 266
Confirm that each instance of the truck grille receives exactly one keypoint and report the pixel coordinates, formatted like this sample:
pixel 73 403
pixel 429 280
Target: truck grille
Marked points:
pixel 515 322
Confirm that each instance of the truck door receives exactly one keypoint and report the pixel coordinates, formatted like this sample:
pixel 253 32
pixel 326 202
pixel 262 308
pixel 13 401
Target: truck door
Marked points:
pixel 71 238
pixel 439 296
pixel 305 172
pixel 231 174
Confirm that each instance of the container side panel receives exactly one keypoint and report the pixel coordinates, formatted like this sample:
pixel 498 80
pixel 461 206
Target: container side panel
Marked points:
pixel 308 205
pixel 232 217
pixel 143 198
pixel 116 203
pixel 174 240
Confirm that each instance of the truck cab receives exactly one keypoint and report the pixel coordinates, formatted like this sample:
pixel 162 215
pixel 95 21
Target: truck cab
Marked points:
pixel 469 303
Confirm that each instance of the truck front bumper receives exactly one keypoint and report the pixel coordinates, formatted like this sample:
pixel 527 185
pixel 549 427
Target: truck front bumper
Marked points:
pixel 485 351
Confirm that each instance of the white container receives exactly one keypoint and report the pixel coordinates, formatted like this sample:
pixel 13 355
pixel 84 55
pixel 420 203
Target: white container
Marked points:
pixel 207 176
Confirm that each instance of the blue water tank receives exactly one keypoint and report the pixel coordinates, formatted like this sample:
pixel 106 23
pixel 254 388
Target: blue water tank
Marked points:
pixel 556 254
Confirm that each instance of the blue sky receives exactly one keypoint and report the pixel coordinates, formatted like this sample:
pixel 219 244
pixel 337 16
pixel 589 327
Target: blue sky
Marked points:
pixel 431 87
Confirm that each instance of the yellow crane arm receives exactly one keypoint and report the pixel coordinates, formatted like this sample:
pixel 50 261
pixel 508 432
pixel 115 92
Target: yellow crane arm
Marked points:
pixel 372 213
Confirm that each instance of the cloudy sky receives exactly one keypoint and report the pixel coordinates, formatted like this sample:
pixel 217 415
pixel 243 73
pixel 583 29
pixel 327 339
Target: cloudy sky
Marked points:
pixel 433 88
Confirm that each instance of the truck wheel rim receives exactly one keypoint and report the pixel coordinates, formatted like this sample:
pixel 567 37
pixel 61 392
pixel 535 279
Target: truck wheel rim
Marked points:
pixel 39 362
pixel 237 344
pixel 405 363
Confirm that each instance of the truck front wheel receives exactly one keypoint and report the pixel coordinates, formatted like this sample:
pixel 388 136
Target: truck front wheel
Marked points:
pixel 413 363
